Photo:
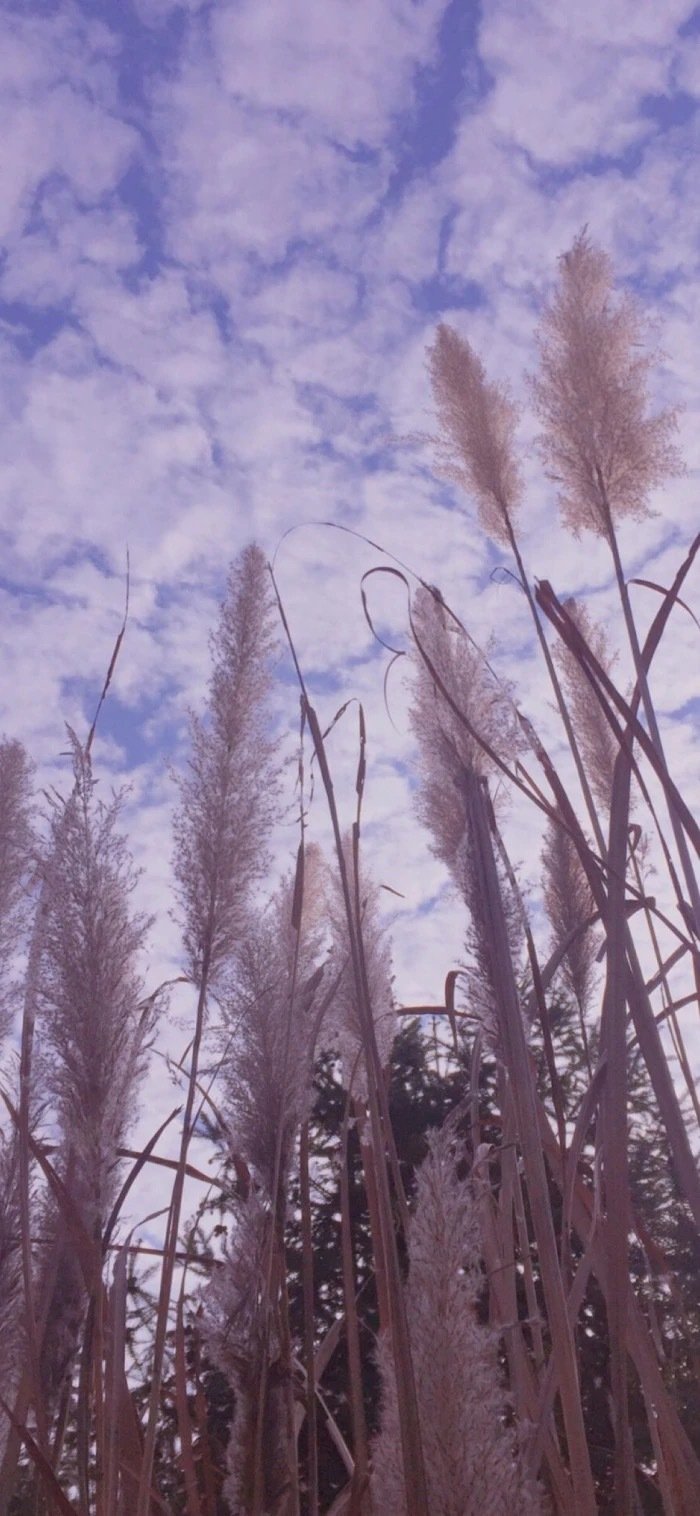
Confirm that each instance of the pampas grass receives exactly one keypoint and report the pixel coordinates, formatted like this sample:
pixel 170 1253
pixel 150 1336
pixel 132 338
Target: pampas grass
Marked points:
pixel 474 1465
pixel 490 1261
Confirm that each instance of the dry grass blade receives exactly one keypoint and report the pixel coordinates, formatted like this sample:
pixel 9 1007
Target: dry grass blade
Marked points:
pixel 58 1500
pixel 522 1087
pixel 640 1005
pixel 184 1422
pixel 603 685
pixel 379 1115
pixel 114 1373
pixel 585 1116
pixel 82 1241
pixel 113 660
pixel 614 1135
pixel 145 1156
pixel 641 1348
pixel 549 1383
pixel 307 1265
pixel 200 1410
pixel 524 1385
pixel 359 1427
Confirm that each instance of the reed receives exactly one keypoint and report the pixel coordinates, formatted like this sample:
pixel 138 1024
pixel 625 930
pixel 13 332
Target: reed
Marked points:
pixel 462 1283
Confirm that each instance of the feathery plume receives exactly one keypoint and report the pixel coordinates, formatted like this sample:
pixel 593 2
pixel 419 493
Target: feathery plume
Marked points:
pixel 345 1019
pixel 269 1022
pixel 93 1024
pixel 594 734
pixel 269 1003
pixel 94 1031
pixel 446 749
pixel 227 797
pixel 15 846
pixel 473 1464
pixel 569 902
pixel 599 442
pixel 61 1286
pixel 475 443
pixel 227 801
pixel 448 753
pixel 482 979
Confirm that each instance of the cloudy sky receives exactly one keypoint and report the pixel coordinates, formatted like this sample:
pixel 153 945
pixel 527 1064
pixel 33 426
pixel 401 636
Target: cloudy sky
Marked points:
pixel 228 231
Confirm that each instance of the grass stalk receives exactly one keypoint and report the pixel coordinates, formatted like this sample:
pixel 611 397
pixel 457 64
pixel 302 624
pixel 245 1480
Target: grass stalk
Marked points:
pixel 522 1087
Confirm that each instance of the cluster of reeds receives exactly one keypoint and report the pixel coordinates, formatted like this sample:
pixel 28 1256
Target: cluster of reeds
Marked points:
pixel 465 1385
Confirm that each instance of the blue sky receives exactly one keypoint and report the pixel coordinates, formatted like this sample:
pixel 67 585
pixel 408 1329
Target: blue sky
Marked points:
pixel 228 231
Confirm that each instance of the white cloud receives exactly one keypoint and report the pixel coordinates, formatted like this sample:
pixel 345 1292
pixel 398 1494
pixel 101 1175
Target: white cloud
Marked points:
pixel 58 108
pixel 291 56
pixel 568 82
pixel 270 182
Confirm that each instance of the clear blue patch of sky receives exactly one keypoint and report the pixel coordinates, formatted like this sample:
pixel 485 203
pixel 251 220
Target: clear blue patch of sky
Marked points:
pixel 32 327
pixel 670 110
pixel 691 27
pixel 64 558
pixel 205 296
pixel 139 731
pixel 146 53
pixel 425 133
pixel 146 48
pixel 553 177
pixel 445 289
pixel 138 192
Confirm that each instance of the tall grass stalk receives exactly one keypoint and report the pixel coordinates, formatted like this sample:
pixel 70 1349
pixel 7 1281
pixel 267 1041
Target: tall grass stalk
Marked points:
pixel 226 803
pixel 516 1234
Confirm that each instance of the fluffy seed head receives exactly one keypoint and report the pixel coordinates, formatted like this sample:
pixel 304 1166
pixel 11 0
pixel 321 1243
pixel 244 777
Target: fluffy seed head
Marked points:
pixel 569 902
pixel 92 1021
pixel 476 440
pixel 227 796
pixel 473 1465
pixel 446 748
pixel 599 441
pixel 269 1004
pixel 595 737
pixel 345 1020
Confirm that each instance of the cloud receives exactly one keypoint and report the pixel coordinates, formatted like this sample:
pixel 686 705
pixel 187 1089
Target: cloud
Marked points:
pixel 58 106
pixel 568 83
pixel 288 57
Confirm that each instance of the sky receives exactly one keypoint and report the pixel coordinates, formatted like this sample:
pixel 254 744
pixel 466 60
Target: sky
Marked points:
pixel 228 232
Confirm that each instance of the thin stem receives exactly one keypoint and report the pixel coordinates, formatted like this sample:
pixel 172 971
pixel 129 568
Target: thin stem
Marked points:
pixel 170 1247
pixel 307 1262
pixel 558 692
pixel 649 712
